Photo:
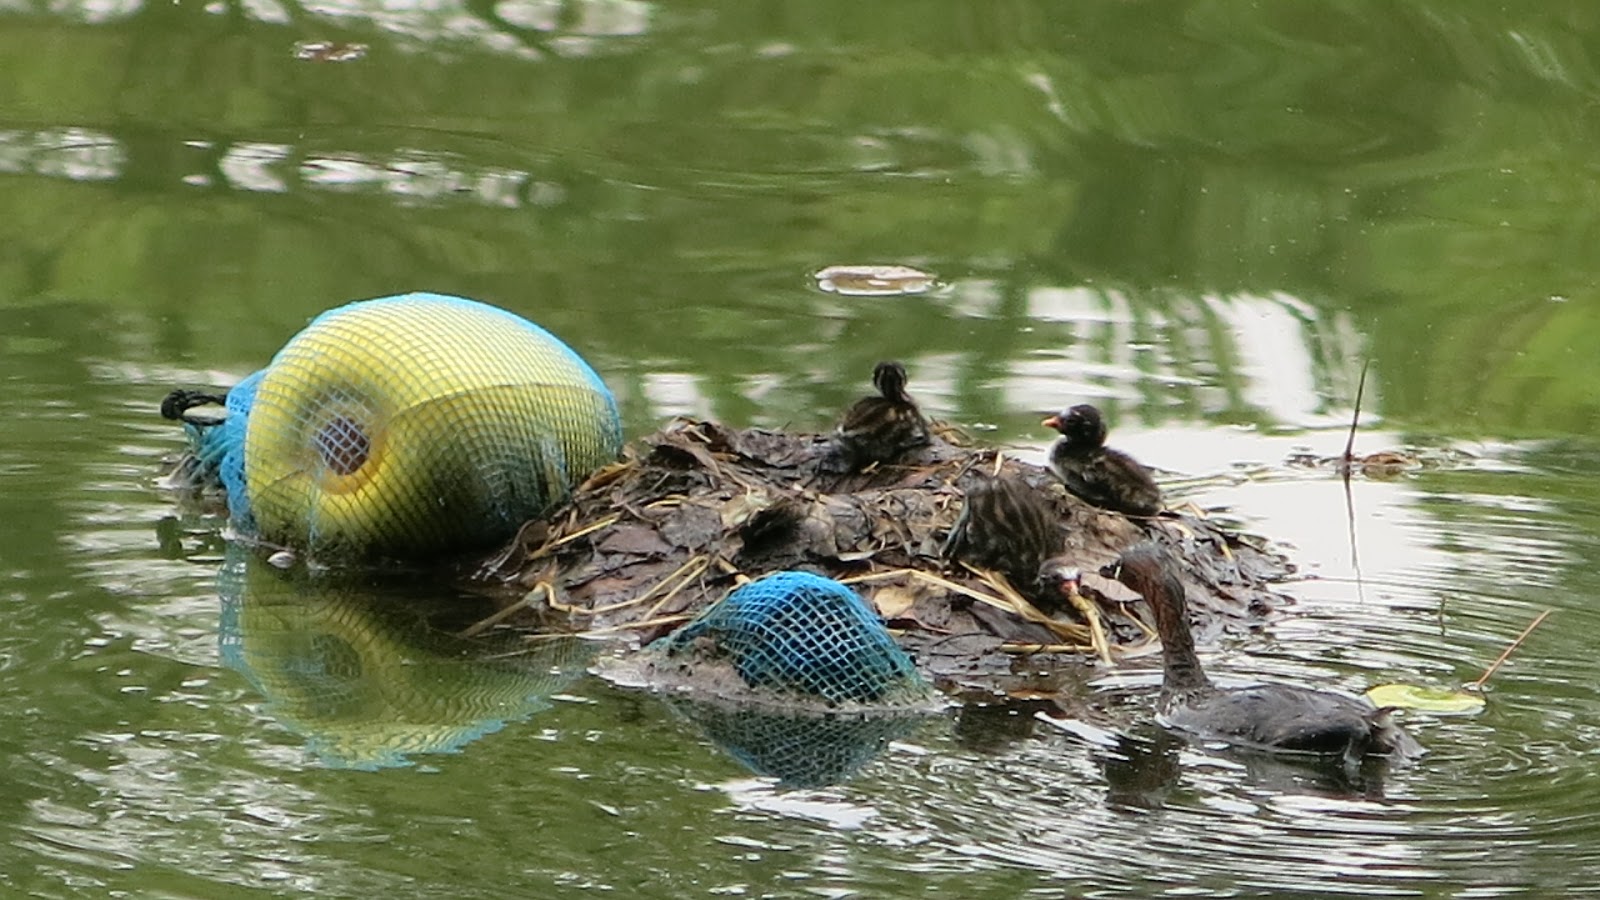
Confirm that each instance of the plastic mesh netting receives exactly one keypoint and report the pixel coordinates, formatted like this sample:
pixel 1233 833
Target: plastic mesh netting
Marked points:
pixel 800 750
pixel 410 425
pixel 804 635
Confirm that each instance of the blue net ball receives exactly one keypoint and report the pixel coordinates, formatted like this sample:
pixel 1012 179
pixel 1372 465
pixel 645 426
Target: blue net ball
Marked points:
pixel 804 634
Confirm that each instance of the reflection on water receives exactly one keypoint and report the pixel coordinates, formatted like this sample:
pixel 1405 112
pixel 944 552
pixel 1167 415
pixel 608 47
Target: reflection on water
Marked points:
pixel 72 153
pixel 1143 769
pixel 1200 216
pixel 366 680
pixel 521 28
pixel 163 754
pixel 799 750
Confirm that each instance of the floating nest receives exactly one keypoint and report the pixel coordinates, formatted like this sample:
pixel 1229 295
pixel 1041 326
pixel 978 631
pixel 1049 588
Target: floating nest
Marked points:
pixel 692 510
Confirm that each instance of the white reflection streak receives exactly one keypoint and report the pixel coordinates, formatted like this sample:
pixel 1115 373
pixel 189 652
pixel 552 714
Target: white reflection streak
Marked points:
pixel 1075 304
pixel 339 173
pixel 613 18
pixel 96 11
pixel 758 794
pixel 502 188
pixel 82 155
pixel 74 153
pixel 535 15
pixel 1101 357
pixel 424 20
pixel 1274 355
pixel 245 167
pixel 415 176
pixel 978 298
pixel 676 394
pixel 1119 348
pixel 269 11
pixel 423 178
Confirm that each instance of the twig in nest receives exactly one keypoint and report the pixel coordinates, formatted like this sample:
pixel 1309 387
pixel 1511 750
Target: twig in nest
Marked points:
pixel 608 475
pixel 1184 531
pixel 478 628
pixel 967 464
pixel 936 581
pixel 1091 614
pixel 626 626
pixel 1022 607
pixel 1029 649
pixel 729 568
pixel 635 601
pixel 689 574
pixel 548 546
pixel 1149 633
pixel 1506 654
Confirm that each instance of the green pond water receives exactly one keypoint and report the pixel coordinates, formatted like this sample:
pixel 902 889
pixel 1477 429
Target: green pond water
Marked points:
pixel 1202 216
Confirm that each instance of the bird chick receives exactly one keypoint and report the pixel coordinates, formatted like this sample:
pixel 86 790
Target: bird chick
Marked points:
pixel 1095 473
pixel 878 429
pixel 1007 526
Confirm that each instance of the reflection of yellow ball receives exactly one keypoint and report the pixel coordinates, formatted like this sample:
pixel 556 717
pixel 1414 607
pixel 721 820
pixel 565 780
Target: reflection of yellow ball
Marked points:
pixel 420 424
pixel 362 677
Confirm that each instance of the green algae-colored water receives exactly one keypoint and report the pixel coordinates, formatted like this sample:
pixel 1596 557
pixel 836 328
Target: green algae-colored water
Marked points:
pixel 1201 216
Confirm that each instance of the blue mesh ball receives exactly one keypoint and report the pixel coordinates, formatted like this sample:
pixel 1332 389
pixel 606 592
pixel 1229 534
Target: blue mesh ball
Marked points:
pixel 803 634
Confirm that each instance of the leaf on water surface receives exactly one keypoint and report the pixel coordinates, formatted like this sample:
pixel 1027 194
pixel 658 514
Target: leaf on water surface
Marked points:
pixel 873 281
pixel 1426 699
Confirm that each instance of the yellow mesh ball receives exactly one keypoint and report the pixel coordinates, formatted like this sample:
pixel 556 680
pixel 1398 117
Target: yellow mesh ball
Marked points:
pixel 420 424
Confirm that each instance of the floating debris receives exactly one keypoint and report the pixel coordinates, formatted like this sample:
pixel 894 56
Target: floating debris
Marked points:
pixel 1425 699
pixel 1441 700
pixel 874 281
pixel 402 427
pixel 329 51
pixel 1380 465
pixel 697 508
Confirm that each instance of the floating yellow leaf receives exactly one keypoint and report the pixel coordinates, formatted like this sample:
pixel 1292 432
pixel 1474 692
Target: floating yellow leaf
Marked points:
pixel 1427 699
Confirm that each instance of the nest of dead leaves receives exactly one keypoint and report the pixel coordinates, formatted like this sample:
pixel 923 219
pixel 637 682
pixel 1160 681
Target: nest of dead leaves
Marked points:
pixel 696 508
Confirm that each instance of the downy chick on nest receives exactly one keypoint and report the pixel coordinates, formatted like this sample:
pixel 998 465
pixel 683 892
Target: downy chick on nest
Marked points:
pixel 1095 473
pixel 878 429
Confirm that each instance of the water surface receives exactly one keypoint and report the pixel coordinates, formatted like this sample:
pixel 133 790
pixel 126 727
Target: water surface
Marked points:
pixel 1203 217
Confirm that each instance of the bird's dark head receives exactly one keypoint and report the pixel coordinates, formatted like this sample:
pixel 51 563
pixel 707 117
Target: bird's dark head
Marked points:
pixel 1081 425
pixel 1058 580
pixel 889 377
pixel 1146 569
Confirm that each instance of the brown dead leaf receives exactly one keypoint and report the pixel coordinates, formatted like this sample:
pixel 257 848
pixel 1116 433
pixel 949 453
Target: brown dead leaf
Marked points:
pixel 739 508
pixel 670 444
pixel 637 540
pixel 893 600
